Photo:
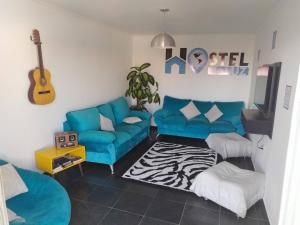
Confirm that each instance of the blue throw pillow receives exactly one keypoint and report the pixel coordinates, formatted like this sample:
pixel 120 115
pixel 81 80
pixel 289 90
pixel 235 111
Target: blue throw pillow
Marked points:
pixel 85 119
pixel 174 104
pixel 120 109
pixel 107 111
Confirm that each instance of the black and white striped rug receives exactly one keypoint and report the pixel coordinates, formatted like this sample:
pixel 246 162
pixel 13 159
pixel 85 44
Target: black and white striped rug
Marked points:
pixel 171 165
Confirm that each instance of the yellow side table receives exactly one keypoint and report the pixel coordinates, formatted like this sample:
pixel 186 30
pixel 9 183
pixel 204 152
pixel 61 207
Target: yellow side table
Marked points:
pixel 44 158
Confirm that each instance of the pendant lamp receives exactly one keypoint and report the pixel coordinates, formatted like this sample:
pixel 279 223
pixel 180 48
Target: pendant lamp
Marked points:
pixel 163 40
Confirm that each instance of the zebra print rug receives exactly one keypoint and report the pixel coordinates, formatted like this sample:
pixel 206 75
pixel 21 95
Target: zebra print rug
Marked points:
pixel 171 165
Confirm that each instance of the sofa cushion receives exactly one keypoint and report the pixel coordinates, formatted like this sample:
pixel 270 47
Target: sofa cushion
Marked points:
pixel 203 107
pixel 132 120
pixel 221 126
pixel 107 111
pixel 174 122
pixel 105 123
pixel 197 124
pixel 143 124
pixel 213 114
pixel 83 120
pixel 121 138
pixel 13 185
pixel 190 111
pixel 230 109
pixel 130 129
pixel 120 109
pixel 100 137
pixel 174 104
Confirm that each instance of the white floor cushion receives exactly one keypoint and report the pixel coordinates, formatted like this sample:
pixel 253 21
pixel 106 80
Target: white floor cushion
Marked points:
pixel 231 187
pixel 230 145
pixel 13 184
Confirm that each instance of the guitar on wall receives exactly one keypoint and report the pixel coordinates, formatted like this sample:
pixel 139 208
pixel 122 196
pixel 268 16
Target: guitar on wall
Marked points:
pixel 41 91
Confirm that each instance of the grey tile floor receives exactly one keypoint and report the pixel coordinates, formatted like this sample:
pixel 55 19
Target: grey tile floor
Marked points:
pixel 99 198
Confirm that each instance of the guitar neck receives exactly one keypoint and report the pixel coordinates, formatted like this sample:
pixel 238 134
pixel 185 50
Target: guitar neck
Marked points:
pixel 40 59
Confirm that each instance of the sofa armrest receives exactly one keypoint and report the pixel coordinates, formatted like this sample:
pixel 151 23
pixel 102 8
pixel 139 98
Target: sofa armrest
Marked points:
pixel 67 126
pixel 237 123
pixel 102 137
pixel 143 115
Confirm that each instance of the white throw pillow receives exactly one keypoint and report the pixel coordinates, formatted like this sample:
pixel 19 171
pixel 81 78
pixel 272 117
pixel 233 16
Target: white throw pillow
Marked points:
pixel 213 114
pixel 13 184
pixel 132 119
pixel 106 123
pixel 12 216
pixel 190 111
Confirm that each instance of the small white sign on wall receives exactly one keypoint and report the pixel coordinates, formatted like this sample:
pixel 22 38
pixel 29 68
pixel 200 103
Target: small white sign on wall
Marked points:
pixel 287 96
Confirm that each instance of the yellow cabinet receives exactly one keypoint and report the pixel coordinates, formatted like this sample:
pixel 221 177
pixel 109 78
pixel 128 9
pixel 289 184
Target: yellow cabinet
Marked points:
pixel 44 158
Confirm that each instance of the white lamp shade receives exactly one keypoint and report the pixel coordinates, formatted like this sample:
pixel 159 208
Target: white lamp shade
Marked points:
pixel 163 40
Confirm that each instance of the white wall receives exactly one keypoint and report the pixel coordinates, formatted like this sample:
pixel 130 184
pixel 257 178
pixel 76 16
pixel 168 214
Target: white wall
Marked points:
pixel 88 63
pixel 283 17
pixel 198 86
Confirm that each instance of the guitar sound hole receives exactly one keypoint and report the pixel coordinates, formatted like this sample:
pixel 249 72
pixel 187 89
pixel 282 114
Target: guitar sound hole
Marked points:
pixel 44 92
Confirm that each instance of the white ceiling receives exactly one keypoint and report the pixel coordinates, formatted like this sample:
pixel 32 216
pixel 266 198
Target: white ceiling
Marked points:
pixel 185 17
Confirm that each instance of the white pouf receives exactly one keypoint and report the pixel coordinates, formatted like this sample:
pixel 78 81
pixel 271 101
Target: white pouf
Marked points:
pixel 231 187
pixel 230 145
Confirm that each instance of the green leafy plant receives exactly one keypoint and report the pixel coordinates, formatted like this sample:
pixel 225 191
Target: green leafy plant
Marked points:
pixel 142 87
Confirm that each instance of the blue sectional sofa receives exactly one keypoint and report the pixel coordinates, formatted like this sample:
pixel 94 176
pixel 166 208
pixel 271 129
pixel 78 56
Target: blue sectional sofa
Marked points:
pixel 45 203
pixel 171 121
pixel 104 146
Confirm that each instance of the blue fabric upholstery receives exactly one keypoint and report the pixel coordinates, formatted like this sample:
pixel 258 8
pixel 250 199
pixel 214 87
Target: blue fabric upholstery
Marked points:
pixel 96 136
pixel 108 147
pixel 107 111
pixel 131 129
pixel 174 104
pixel 45 203
pixel 121 138
pixel 140 114
pixel 220 126
pixel 83 120
pixel 170 120
pixel 120 109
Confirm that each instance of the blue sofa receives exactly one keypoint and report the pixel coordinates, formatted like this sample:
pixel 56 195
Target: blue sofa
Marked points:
pixel 103 146
pixel 171 121
pixel 45 203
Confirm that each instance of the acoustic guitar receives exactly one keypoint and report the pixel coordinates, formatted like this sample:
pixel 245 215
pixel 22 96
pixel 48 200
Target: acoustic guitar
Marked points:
pixel 41 91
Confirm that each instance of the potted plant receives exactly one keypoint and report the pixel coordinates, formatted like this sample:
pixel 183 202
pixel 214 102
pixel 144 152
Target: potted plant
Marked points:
pixel 142 87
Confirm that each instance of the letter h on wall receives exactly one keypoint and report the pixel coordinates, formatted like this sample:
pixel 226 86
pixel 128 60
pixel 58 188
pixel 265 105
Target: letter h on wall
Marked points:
pixel 180 61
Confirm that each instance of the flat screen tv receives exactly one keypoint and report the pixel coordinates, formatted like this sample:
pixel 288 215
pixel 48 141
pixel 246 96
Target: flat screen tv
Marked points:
pixel 266 88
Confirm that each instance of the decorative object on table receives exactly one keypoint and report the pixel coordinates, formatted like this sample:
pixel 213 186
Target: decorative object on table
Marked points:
pixel 66 139
pixel 197 59
pixel 231 187
pixel 46 201
pixel 171 165
pixel 53 161
pixel 230 145
pixel 41 91
pixel 141 86
pixel 163 40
